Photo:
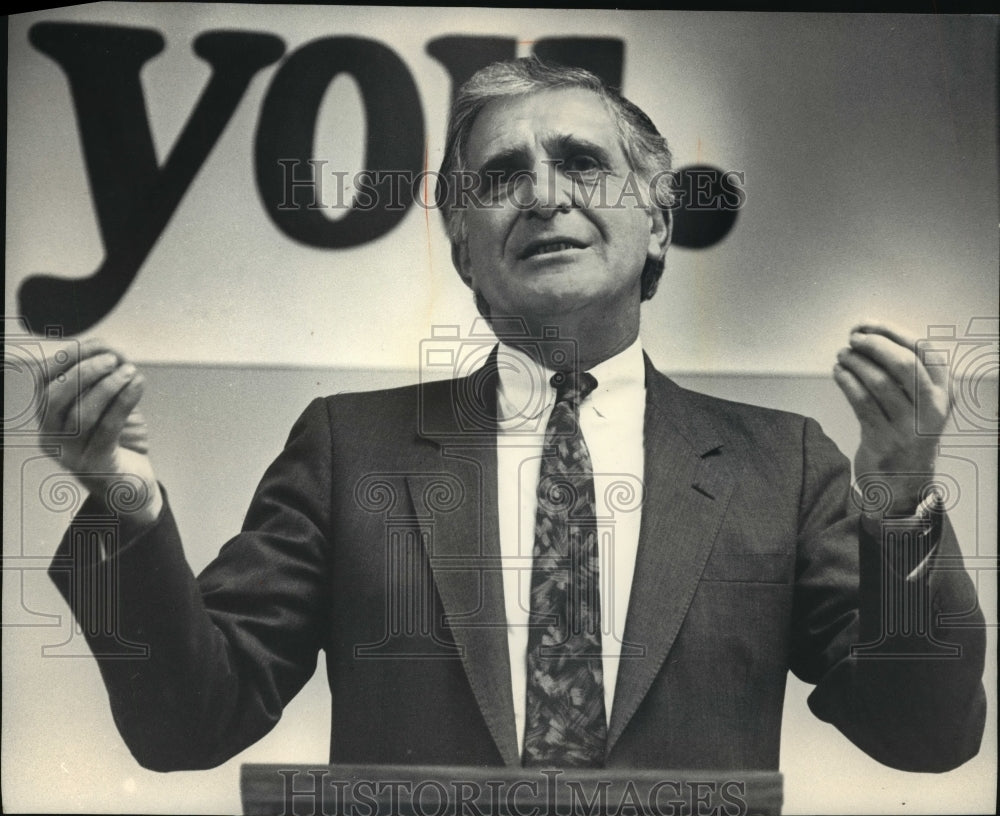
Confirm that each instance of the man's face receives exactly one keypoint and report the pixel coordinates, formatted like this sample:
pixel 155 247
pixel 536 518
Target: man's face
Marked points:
pixel 569 240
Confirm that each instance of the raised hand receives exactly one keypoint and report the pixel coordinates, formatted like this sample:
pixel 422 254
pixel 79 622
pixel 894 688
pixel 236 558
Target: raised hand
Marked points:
pixel 93 389
pixel 894 394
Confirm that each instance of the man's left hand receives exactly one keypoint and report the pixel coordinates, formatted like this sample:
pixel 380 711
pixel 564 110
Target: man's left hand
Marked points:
pixel 893 394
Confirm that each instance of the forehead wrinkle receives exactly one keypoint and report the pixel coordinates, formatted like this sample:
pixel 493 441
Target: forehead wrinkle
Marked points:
pixel 526 136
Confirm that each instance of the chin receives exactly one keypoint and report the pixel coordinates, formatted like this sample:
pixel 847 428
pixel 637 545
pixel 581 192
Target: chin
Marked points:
pixel 551 305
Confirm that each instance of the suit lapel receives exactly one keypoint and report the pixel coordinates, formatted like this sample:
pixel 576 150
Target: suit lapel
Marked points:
pixel 687 490
pixel 458 436
pixel 687 483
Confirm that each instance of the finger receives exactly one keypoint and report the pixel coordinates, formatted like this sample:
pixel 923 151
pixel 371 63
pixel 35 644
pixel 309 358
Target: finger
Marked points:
pixel 906 367
pixel 864 405
pixel 934 354
pixel 897 334
pixel 60 361
pixel 66 391
pixel 883 388
pixel 107 430
pixel 135 434
pixel 937 374
pixel 97 401
pixel 136 418
pixel 897 360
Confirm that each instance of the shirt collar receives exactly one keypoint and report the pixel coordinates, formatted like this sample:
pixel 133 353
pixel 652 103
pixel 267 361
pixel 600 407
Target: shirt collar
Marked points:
pixel 524 392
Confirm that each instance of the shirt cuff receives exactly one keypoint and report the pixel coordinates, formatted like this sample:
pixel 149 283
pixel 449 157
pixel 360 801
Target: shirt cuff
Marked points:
pixel 909 542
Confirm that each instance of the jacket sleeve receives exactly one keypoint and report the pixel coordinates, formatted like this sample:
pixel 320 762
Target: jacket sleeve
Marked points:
pixel 896 654
pixel 218 656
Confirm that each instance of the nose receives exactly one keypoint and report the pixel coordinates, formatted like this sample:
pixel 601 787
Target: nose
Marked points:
pixel 551 192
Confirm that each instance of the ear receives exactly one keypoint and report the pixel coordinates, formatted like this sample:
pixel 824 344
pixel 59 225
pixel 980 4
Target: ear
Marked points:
pixel 661 225
pixel 460 258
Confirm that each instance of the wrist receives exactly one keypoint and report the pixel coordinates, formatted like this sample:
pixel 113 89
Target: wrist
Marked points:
pixel 132 521
pixel 895 495
pixel 135 501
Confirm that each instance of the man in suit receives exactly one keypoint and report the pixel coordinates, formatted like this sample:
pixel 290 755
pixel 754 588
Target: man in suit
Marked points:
pixel 408 533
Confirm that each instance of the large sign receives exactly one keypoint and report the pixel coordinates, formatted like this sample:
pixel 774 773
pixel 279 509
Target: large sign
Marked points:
pixel 259 186
pixel 135 196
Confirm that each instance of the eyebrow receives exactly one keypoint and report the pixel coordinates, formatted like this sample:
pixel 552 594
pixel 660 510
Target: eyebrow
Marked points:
pixel 557 145
pixel 504 159
pixel 568 144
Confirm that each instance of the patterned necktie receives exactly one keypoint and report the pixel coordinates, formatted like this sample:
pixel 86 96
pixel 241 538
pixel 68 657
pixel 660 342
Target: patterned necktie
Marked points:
pixel 565 723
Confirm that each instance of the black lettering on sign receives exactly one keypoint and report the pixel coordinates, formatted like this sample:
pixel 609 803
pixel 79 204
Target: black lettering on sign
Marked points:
pixel 395 142
pixel 463 56
pixel 708 200
pixel 603 56
pixel 134 197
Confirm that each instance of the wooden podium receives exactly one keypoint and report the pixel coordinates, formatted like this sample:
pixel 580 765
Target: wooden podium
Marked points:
pixel 406 790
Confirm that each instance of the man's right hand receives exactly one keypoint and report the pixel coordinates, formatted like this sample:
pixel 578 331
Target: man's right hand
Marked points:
pixel 99 389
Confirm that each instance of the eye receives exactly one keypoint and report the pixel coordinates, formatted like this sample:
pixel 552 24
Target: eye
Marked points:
pixel 582 164
pixel 499 179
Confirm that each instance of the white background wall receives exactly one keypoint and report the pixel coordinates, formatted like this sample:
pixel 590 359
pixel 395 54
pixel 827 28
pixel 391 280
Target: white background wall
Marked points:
pixel 869 147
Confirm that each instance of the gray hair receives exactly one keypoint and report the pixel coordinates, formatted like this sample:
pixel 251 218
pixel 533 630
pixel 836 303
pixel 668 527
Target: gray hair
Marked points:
pixel 645 149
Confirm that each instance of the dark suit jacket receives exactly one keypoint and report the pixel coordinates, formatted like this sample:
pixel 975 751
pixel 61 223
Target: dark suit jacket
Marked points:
pixel 373 537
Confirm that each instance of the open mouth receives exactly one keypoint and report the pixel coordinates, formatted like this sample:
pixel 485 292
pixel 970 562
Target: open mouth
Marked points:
pixel 538 248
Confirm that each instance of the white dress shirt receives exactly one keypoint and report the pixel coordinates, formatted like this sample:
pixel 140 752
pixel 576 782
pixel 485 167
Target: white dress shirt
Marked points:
pixel 611 419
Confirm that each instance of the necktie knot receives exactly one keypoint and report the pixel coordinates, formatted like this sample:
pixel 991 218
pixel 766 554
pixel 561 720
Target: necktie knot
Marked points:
pixel 572 387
